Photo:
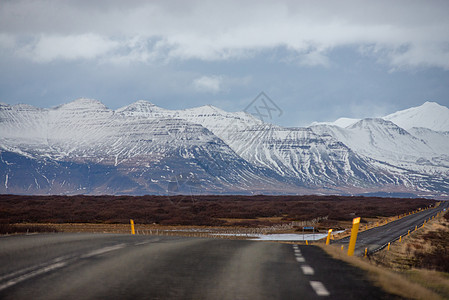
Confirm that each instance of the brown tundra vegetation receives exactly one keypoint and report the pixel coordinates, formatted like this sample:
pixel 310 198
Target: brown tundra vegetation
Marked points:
pixel 206 210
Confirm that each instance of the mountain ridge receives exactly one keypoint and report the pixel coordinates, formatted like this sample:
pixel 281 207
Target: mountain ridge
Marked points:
pixel 142 148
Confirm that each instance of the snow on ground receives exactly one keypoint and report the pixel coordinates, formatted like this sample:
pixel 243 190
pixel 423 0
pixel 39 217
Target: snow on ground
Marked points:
pixel 284 236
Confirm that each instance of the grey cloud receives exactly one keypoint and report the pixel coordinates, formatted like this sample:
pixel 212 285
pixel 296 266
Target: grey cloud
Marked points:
pixel 222 30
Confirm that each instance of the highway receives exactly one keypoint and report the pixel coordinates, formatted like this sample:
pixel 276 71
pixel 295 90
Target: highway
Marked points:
pixel 376 238
pixel 106 266
pixel 110 266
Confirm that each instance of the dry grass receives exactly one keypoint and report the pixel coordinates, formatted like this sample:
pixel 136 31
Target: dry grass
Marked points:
pixel 433 280
pixel 7 229
pixel 152 229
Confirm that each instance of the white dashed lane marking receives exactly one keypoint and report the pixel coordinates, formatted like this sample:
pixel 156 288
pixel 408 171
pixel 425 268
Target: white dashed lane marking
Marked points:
pixel 319 288
pixel 300 259
pixel 307 270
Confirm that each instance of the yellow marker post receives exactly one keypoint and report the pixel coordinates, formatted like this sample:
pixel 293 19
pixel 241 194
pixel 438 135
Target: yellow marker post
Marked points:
pixel 342 247
pixel 408 233
pixel 366 251
pixel 353 239
pixel 328 236
pixel 388 247
pixel 416 227
pixel 132 227
pixel 307 242
pixel 400 238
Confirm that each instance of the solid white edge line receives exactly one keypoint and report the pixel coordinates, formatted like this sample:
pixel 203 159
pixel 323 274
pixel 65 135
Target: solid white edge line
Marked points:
pixel 319 288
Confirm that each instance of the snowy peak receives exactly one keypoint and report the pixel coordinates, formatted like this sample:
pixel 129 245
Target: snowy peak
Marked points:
pixel 430 115
pixel 378 124
pixel 142 108
pixel 82 104
pixel 341 122
pixel 205 110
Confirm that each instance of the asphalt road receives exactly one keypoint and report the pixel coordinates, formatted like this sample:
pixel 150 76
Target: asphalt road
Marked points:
pixel 104 266
pixel 378 237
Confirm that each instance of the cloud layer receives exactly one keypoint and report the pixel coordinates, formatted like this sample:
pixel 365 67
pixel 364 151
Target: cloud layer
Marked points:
pixel 403 34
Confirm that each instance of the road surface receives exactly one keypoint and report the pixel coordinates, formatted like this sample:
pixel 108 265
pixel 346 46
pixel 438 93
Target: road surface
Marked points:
pixel 378 237
pixel 105 266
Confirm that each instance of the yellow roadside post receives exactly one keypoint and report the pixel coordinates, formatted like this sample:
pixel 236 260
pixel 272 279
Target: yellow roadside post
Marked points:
pixel 388 248
pixel 354 232
pixel 366 251
pixel 342 247
pixel 416 227
pixel 307 242
pixel 132 227
pixel 400 238
pixel 328 236
pixel 408 233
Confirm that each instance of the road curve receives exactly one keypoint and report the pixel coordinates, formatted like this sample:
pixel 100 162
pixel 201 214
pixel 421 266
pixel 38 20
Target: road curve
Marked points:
pixel 376 238
pixel 105 266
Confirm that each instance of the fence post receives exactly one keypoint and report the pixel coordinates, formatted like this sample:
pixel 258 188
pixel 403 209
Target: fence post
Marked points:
pixel 328 236
pixel 132 227
pixel 354 232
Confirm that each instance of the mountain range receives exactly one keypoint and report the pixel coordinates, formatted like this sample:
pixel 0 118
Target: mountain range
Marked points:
pixel 83 147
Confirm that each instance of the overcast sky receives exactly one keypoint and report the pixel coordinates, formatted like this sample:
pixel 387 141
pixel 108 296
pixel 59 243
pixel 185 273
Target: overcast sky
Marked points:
pixel 317 60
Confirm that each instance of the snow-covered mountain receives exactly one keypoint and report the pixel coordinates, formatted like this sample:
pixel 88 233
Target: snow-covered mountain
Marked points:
pixel 430 115
pixel 385 141
pixel 84 147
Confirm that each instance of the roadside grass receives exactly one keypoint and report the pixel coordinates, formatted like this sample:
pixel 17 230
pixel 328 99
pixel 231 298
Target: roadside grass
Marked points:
pixel 430 279
pixel 6 228
pixel 234 232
